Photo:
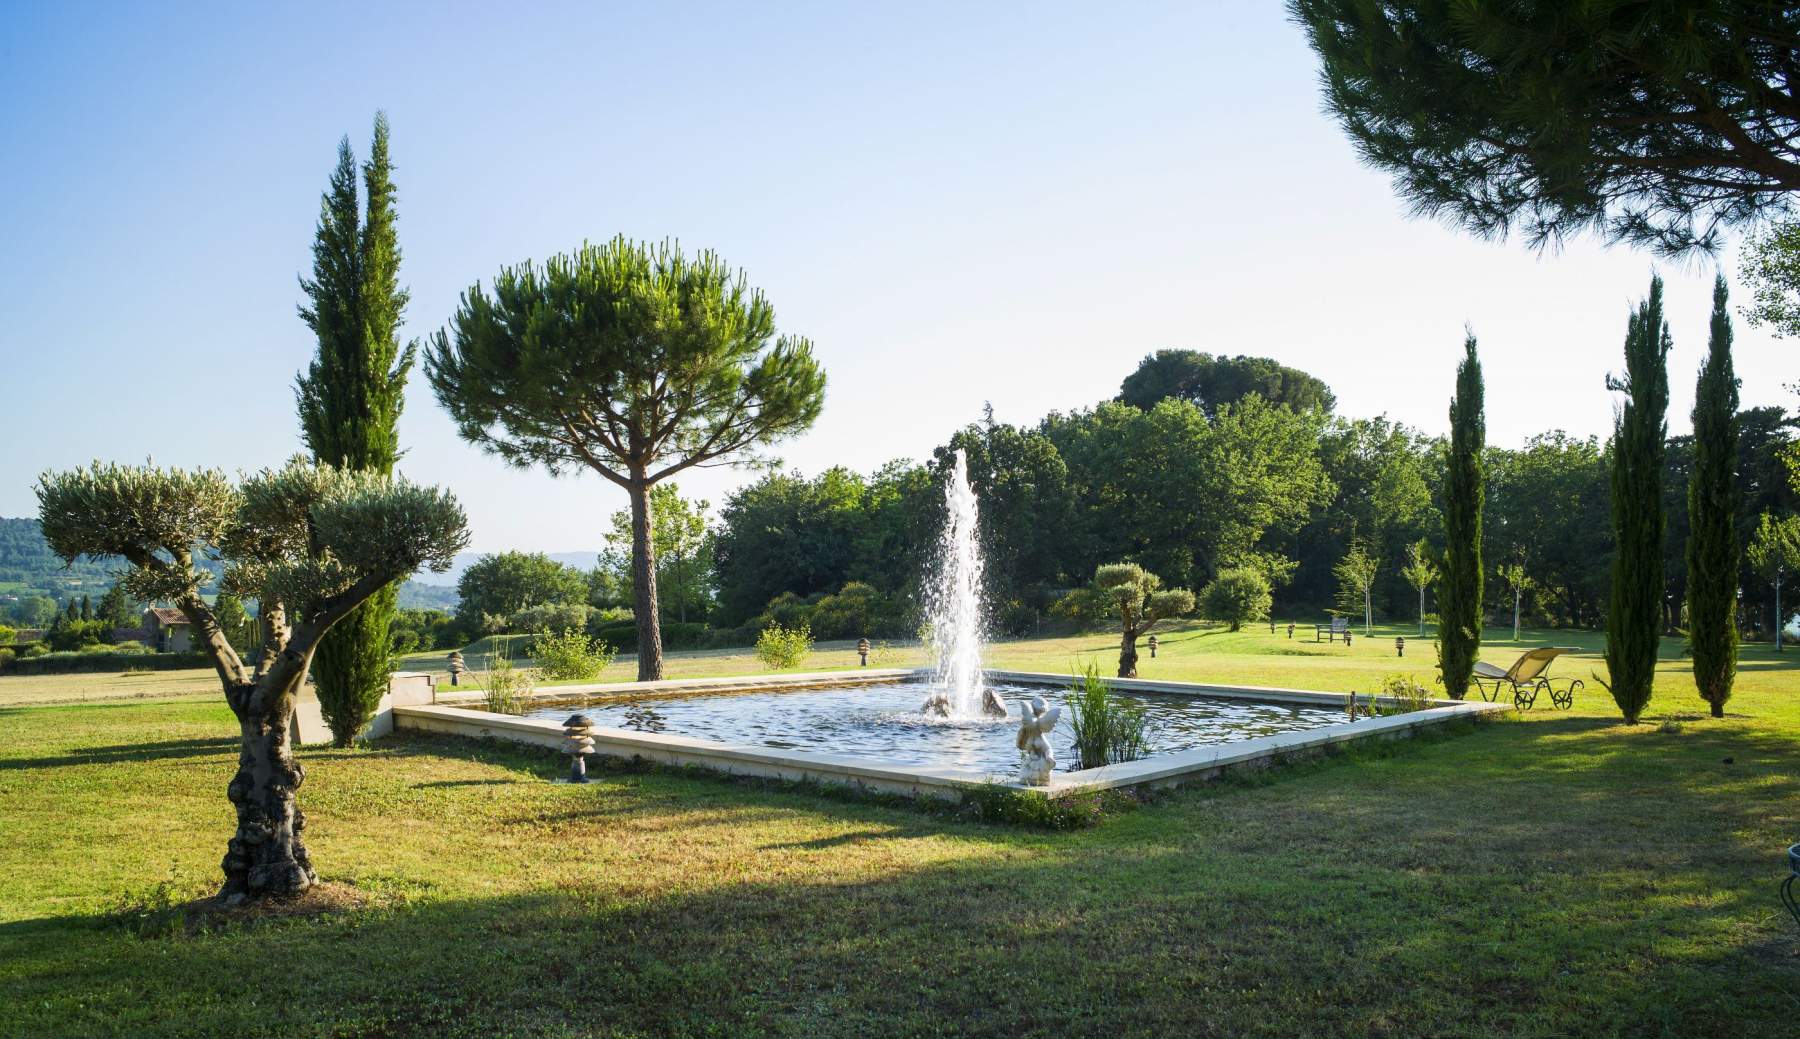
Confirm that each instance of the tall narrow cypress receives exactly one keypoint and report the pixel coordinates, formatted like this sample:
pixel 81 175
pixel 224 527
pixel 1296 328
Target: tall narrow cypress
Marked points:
pixel 1713 555
pixel 1465 490
pixel 350 397
pixel 1640 433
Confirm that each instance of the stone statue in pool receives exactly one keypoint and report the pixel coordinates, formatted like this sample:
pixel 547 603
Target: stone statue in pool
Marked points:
pixel 943 704
pixel 1036 760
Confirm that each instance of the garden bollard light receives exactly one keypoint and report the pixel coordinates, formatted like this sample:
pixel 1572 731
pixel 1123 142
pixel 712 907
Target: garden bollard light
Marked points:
pixel 1400 645
pixel 1346 638
pixel 456 667
pixel 1290 629
pixel 862 650
pixel 579 729
pixel 1153 647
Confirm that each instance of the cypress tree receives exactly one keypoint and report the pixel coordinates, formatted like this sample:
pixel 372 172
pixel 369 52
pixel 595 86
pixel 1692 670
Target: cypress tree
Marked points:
pixel 1712 546
pixel 1640 433
pixel 350 398
pixel 1465 491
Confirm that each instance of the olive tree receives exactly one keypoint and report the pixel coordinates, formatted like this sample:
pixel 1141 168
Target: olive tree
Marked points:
pixel 311 543
pixel 635 361
pixel 1142 602
pixel 1517 583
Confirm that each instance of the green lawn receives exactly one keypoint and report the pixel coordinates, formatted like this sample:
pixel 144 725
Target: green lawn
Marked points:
pixel 1554 874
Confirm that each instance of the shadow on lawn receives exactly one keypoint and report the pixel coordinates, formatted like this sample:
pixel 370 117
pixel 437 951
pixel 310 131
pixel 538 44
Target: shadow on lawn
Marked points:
pixel 1157 938
pixel 165 750
pixel 1506 881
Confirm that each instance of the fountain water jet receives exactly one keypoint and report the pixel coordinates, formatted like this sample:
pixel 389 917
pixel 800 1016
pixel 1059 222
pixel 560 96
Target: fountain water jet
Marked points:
pixel 955 608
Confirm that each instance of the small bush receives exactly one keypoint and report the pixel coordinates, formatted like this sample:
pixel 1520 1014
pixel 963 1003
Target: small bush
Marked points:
pixel 6 657
pixel 993 803
pixel 784 648
pixel 1236 597
pixel 1107 728
pixel 570 657
pixel 1408 696
pixel 505 688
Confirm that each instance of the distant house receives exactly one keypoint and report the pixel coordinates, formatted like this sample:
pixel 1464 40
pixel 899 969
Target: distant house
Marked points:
pixel 168 630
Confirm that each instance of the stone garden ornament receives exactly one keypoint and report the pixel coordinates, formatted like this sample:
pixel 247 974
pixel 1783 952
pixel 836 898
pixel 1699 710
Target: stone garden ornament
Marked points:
pixel 1036 759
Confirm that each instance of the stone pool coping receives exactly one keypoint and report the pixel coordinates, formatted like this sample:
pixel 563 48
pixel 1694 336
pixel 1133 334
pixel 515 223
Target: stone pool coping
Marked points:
pixel 448 715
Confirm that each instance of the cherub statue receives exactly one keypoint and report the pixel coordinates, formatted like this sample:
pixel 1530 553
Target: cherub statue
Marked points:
pixel 1036 760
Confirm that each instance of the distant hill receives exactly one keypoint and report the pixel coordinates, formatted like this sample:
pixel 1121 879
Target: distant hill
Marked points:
pixel 583 561
pixel 28 567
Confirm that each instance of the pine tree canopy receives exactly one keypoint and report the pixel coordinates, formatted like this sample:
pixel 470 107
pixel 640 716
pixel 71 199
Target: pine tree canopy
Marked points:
pixel 1652 122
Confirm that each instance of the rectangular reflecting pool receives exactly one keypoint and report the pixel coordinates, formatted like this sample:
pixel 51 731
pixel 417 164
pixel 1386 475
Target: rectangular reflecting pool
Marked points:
pixel 883 722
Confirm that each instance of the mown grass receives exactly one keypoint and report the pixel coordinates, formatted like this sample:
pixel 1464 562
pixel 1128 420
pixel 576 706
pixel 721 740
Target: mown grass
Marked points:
pixel 1554 874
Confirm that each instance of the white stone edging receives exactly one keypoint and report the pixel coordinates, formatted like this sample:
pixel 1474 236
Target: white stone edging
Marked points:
pixel 895 777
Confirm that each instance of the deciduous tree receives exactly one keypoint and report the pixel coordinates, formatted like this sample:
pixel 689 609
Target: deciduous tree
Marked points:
pixel 1774 552
pixel 635 361
pixel 1420 571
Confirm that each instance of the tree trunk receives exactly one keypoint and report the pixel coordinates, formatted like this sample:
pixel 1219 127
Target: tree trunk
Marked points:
pixel 1368 609
pixel 266 857
pixel 1778 618
pixel 1421 611
pixel 643 580
pixel 1128 654
pixel 1516 594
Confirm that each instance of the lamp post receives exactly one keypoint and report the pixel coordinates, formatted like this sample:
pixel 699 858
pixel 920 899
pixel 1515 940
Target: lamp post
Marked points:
pixel 579 729
pixel 862 650
pixel 1153 647
pixel 1400 645
pixel 456 667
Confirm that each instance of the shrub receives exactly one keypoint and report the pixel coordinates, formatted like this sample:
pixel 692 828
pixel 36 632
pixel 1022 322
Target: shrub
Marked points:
pixel 7 634
pixel 548 617
pixel 571 656
pixel 36 660
pixel 783 648
pixel 1237 597
pixel 71 635
pixel 994 803
pixel 35 649
pixel 1107 728
pixel 6 657
pixel 1407 696
pixel 507 689
pixel 621 635
pixel 1088 607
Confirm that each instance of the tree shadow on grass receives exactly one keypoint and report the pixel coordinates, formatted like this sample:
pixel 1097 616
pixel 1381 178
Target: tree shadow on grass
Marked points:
pixel 127 752
pixel 1162 936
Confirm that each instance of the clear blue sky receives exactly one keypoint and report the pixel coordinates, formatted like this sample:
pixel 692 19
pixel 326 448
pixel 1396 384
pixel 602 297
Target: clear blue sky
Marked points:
pixel 1011 204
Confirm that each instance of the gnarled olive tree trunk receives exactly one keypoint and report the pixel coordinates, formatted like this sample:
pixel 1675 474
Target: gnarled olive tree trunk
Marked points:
pixel 267 855
pixel 1128 654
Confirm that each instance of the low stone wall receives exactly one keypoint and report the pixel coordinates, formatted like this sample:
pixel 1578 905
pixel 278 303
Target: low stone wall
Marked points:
pixel 1160 770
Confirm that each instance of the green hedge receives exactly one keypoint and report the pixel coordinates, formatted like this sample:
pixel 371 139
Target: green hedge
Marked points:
pixel 622 635
pixel 104 660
